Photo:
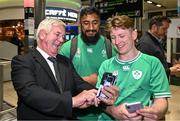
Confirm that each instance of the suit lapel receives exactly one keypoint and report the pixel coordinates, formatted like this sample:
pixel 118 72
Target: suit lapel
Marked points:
pixel 39 58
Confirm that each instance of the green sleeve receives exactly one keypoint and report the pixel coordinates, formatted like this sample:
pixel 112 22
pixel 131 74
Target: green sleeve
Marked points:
pixel 65 49
pixel 159 81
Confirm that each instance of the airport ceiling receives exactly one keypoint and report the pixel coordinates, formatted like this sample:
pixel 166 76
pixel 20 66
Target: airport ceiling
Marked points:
pixel 169 4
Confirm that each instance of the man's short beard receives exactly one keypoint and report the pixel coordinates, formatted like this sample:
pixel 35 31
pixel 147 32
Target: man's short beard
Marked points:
pixel 90 40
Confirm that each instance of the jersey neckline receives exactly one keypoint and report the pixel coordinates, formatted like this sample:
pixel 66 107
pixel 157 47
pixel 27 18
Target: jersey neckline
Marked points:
pixel 128 61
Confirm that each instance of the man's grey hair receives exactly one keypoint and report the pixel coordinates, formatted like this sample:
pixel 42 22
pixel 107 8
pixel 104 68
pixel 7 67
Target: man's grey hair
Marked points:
pixel 47 24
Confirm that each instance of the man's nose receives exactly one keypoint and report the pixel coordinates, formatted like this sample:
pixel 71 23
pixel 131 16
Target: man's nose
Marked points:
pixel 91 26
pixel 61 39
pixel 116 41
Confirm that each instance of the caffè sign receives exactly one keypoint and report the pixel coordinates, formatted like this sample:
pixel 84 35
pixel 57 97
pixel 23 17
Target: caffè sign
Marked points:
pixel 61 13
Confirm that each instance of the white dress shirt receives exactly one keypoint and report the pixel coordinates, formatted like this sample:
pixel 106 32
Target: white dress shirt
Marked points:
pixel 45 55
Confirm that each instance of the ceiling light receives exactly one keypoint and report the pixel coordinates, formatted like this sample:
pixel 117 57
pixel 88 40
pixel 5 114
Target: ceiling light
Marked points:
pixel 154 3
pixel 158 5
pixel 150 2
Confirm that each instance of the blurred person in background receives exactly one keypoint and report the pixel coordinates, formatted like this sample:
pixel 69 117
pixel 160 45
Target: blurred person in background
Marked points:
pixel 151 42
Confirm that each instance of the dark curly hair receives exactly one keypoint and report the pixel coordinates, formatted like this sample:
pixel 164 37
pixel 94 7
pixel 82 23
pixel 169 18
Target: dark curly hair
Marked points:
pixel 89 10
pixel 157 20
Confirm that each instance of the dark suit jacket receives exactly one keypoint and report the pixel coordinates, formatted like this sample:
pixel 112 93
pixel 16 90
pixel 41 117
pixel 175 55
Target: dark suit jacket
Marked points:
pixel 38 94
pixel 149 44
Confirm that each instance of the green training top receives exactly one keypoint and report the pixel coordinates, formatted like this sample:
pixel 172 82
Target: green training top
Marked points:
pixel 87 58
pixel 87 61
pixel 138 79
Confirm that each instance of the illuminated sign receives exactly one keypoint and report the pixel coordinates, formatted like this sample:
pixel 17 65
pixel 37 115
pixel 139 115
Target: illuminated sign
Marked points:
pixel 132 8
pixel 61 13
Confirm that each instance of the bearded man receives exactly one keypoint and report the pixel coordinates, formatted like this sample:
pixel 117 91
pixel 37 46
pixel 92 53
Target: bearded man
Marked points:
pixel 91 47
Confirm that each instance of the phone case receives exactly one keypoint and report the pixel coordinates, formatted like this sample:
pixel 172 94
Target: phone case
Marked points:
pixel 108 79
pixel 132 107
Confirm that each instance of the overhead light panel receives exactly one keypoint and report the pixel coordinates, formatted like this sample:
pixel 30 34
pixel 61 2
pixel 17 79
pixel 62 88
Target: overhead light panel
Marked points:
pixel 150 2
pixel 158 5
pixel 154 3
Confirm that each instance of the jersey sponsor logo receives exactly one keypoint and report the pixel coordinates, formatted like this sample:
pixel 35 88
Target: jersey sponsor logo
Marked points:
pixel 137 74
pixel 89 50
pixel 115 73
pixel 104 53
pixel 126 68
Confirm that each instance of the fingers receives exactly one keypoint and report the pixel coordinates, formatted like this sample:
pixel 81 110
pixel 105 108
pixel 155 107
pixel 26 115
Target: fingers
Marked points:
pixel 137 118
pixel 96 102
pixel 107 101
pixel 120 112
pixel 91 97
pixel 175 69
pixel 148 119
pixel 111 92
pixel 148 113
pixel 86 99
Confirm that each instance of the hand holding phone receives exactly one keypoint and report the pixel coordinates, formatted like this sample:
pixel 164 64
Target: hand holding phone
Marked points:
pixel 107 80
pixel 132 107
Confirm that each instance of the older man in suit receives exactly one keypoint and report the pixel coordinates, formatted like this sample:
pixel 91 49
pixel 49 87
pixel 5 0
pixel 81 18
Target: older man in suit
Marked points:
pixel 42 93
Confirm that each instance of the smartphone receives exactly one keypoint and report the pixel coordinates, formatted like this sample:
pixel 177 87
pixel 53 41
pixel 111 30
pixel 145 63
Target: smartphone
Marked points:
pixel 108 79
pixel 132 107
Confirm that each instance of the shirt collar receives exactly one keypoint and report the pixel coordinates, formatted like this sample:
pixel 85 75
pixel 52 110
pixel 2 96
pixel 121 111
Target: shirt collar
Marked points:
pixel 157 38
pixel 43 53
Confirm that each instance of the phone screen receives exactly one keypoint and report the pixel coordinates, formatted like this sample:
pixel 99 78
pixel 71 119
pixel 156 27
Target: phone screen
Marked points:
pixel 107 80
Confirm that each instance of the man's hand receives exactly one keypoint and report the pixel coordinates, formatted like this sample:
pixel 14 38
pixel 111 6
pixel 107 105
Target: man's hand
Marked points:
pixel 111 92
pixel 175 69
pixel 156 112
pixel 120 112
pixel 149 114
pixel 85 99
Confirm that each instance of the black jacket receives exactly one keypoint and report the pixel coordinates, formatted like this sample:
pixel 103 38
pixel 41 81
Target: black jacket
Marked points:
pixel 150 45
pixel 39 97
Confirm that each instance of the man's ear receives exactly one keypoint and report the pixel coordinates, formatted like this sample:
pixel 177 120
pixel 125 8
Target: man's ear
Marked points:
pixel 42 34
pixel 154 27
pixel 134 34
